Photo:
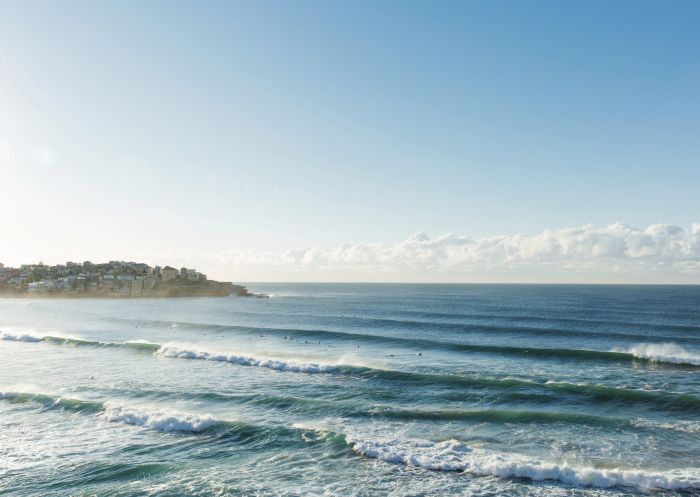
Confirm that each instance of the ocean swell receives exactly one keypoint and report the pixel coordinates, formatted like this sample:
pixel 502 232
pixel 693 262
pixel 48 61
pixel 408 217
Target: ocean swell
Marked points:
pixel 596 392
pixel 666 353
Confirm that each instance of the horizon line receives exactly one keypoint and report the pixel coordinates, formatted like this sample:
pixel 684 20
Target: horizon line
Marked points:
pixel 458 283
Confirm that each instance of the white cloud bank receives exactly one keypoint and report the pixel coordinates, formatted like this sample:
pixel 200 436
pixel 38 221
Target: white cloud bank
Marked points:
pixel 618 252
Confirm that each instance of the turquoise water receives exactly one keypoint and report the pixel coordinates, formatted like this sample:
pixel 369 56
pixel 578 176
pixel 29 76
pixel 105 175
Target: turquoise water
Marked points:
pixel 341 390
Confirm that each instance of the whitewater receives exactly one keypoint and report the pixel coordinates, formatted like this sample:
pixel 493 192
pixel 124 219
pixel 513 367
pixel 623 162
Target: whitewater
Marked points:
pixel 355 390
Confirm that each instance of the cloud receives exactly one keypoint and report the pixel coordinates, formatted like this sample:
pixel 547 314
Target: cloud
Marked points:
pixel 661 249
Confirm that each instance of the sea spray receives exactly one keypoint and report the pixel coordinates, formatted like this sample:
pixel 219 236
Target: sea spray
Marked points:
pixel 21 337
pixel 664 352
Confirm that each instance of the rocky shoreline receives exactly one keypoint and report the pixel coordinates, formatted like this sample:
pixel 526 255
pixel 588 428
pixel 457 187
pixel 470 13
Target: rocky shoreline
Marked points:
pixel 208 288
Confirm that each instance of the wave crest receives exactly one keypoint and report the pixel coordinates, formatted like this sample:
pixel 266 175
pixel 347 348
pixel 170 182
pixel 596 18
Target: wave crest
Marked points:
pixel 451 455
pixel 52 401
pixel 663 352
pixel 141 345
pixel 168 350
pixel 160 420
pixel 22 337
pixel 165 421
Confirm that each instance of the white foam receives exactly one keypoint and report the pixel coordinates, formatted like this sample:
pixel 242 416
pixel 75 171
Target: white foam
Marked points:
pixel 281 295
pixel 165 421
pixel 19 337
pixel 312 426
pixel 69 339
pixel 685 426
pixel 451 455
pixel 153 418
pixel 443 456
pixel 664 352
pixel 169 350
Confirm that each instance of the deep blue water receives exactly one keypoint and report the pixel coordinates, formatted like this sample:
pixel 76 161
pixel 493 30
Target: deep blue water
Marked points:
pixel 353 389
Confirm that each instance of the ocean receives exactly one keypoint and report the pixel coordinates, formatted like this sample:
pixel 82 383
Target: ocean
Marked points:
pixel 355 390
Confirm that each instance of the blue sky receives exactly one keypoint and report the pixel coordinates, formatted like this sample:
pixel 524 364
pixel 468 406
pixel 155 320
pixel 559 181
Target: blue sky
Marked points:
pixel 186 129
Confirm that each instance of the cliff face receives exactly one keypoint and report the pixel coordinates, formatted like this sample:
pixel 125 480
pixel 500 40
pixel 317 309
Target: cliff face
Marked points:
pixel 173 289
pixel 113 279
pixel 205 289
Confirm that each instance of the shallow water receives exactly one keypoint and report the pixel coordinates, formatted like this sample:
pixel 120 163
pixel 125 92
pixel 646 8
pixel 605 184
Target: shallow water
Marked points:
pixel 355 390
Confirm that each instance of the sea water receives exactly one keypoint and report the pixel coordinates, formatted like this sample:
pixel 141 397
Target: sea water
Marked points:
pixel 342 390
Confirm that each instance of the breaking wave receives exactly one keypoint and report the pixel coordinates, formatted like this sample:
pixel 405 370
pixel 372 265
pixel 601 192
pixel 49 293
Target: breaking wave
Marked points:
pixel 141 345
pixel 165 421
pixel 665 352
pixel 155 419
pixel 52 401
pixel 22 337
pixel 451 455
pixel 168 350
pixel 595 392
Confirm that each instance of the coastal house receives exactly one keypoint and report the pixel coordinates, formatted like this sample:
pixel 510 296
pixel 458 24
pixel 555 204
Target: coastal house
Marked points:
pixel 116 277
pixel 168 273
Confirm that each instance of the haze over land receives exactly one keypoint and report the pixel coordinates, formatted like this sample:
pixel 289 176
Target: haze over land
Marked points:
pixel 319 142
